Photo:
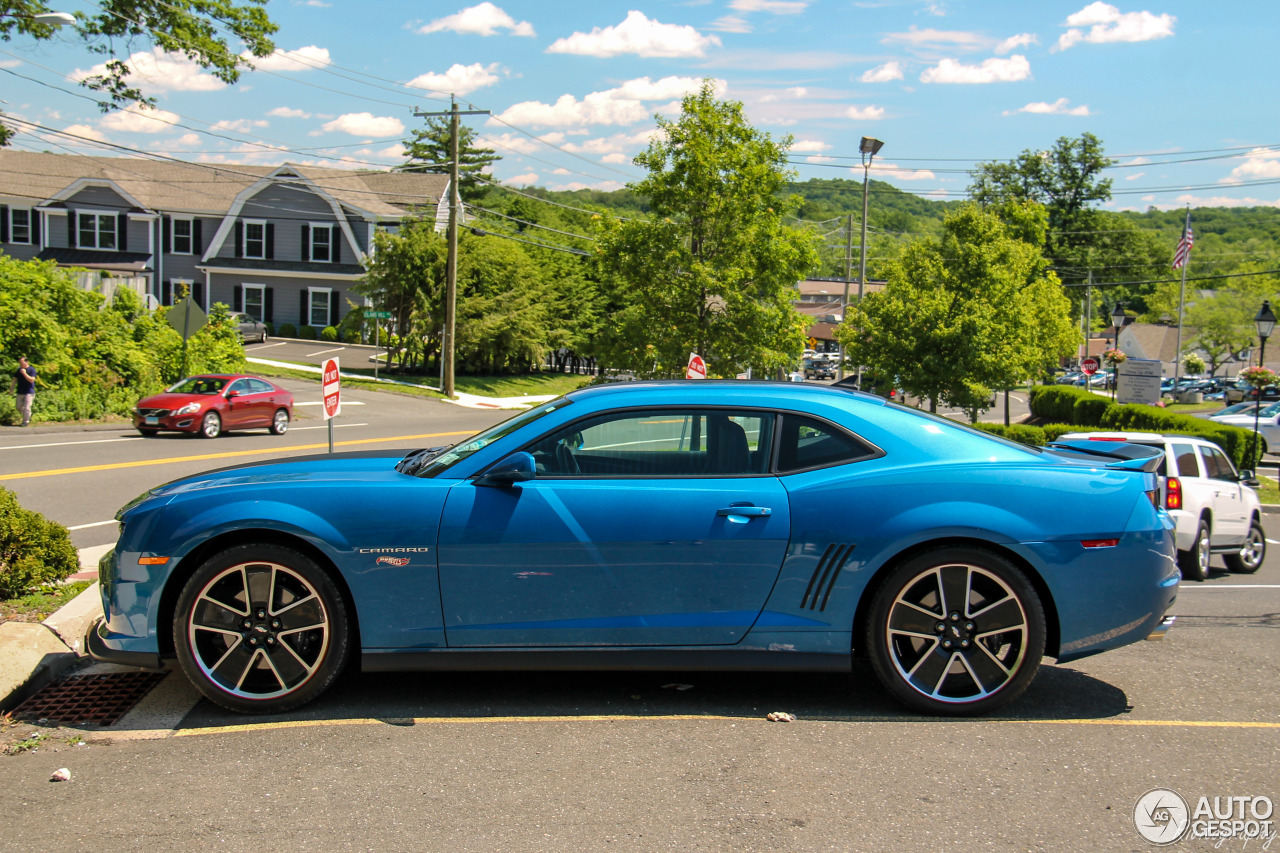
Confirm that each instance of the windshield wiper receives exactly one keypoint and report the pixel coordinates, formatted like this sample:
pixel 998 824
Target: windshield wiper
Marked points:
pixel 413 463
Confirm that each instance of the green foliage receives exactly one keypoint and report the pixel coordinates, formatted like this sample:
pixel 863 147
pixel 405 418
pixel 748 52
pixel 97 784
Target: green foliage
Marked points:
pixel 502 307
pixel 270 328
pixel 714 270
pixel 33 550
pixel 429 150
pixel 1090 410
pixel 307 333
pixel 211 33
pixel 329 333
pixel 288 330
pixel 1022 433
pixel 405 275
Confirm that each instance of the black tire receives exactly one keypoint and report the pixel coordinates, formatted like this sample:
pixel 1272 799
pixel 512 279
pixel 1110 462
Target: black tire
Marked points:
pixel 261 629
pixel 1249 558
pixel 263 339
pixel 280 422
pixel 1194 564
pixel 211 425
pixel 939 657
pixel 148 433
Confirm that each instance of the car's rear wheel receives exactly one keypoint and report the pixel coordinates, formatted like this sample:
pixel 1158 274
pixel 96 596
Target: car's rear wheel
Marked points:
pixel 211 426
pixel 261 628
pixel 956 631
pixel 1249 558
pixel 280 422
pixel 1194 563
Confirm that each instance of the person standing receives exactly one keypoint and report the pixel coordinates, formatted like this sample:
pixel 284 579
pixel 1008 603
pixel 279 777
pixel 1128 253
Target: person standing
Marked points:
pixel 24 382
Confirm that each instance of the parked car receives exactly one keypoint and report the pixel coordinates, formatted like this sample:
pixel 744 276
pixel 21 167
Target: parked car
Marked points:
pixel 819 368
pixel 1235 409
pixel 1215 508
pixel 1241 390
pixel 250 329
pixel 1268 422
pixel 212 404
pixel 680 525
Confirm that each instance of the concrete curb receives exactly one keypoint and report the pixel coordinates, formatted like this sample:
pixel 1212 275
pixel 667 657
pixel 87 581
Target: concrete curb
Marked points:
pixel 33 654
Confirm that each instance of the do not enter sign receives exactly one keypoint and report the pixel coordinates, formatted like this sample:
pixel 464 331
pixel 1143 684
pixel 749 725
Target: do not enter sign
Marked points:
pixel 697 368
pixel 1090 365
pixel 331 389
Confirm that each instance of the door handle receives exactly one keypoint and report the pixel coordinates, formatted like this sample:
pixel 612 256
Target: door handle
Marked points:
pixel 745 511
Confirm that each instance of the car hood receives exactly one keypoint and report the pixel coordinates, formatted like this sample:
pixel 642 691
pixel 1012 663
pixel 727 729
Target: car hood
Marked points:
pixel 365 466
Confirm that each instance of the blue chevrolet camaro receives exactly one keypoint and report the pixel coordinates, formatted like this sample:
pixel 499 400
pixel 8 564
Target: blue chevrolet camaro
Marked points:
pixel 651 525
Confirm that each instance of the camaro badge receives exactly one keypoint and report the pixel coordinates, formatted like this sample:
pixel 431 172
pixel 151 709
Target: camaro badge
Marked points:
pixel 393 561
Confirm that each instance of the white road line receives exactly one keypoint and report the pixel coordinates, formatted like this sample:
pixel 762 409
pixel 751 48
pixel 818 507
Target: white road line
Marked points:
pixel 94 524
pixel 323 351
pixel 326 426
pixel 66 443
pixel 267 346
pixel 297 403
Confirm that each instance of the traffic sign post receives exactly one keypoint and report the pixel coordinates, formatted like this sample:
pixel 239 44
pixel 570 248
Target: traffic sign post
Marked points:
pixel 331 392
pixel 375 316
pixel 697 368
pixel 1089 365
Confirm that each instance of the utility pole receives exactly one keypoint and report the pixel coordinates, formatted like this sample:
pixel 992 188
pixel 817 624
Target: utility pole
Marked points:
pixel 451 268
pixel 848 273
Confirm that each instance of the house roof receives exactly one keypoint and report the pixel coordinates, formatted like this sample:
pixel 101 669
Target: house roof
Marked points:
pixel 92 260
pixel 1158 342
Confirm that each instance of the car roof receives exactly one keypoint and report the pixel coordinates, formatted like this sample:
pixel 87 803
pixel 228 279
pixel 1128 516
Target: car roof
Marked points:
pixel 730 391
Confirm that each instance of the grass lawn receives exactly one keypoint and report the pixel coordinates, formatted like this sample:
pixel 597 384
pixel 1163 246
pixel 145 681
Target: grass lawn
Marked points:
pixel 485 386
pixel 1269 490
pixel 36 606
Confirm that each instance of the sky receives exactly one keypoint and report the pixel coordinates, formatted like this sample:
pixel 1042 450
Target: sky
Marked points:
pixel 1182 94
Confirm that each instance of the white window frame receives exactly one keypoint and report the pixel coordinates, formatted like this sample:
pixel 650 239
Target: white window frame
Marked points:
pixel 98 217
pixel 262 252
pixel 261 290
pixel 13 226
pixel 190 235
pixel 327 228
pixel 175 286
pixel 311 306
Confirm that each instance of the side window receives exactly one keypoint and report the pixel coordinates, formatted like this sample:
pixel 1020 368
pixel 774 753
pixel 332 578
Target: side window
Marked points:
pixel 257 386
pixel 665 443
pixel 1185 454
pixel 1218 465
pixel 241 386
pixel 808 443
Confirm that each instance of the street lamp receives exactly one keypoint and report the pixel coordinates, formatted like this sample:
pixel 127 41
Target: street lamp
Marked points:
pixel 868 148
pixel 1265 323
pixel 48 19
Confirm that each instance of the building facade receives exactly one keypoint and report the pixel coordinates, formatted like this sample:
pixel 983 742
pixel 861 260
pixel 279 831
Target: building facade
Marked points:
pixel 284 244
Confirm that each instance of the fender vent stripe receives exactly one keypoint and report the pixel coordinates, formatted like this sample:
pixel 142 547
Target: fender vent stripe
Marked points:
pixel 818 593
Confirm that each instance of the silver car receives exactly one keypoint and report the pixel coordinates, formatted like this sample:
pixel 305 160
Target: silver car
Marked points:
pixel 251 330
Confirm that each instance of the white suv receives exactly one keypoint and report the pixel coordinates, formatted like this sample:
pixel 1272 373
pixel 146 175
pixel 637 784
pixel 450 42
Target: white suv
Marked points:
pixel 1214 508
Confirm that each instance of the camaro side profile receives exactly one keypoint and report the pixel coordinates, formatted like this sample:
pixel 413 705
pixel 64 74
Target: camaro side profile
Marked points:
pixel 652 525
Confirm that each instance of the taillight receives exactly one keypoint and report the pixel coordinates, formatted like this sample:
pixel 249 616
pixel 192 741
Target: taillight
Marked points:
pixel 1172 493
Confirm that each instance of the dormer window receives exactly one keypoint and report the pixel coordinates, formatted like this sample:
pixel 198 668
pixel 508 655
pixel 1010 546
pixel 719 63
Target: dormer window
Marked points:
pixel 96 230
pixel 321 242
pixel 255 238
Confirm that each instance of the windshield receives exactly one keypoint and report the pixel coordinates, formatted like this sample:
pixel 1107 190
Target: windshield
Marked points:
pixel 440 462
pixel 200 385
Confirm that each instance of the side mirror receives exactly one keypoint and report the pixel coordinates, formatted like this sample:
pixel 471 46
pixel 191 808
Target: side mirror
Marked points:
pixel 516 468
pixel 1249 478
pixel 232 394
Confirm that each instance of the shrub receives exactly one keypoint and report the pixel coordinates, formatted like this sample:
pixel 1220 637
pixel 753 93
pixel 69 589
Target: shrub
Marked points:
pixel 1021 433
pixel 307 333
pixel 329 333
pixel 1088 411
pixel 352 336
pixel 271 329
pixel 33 550
pixel 288 330
pixel 1057 403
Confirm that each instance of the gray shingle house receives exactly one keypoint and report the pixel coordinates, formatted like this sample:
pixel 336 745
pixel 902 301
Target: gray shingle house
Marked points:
pixel 284 244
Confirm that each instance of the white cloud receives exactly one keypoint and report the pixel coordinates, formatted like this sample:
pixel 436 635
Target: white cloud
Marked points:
pixel 1015 42
pixel 891 170
pixel 1260 163
pixel 603 186
pixel 459 79
pixel 482 20
pixel 865 113
pixel 160 71
pixel 518 143
pixel 365 124
pixel 615 158
pixel 818 159
pixel 1134 176
pixel 619 106
pixel 318 4
pixel 1008 70
pixel 85 131
pixel 1058 108
pixel 791 94
pixel 139 119
pixel 240 125
pixel 619 143
pixel 527 179
pixel 776 7
pixel 803 145
pixel 1107 24
pixel 10 63
pixel 307 58
pixel 883 73
pixel 1210 201
pixel 729 24
pixel 639 35
pixel 288 112
pixel 931 38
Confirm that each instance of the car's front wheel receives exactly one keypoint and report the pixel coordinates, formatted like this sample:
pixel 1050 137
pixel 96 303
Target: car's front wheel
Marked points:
pixel 956 631
pixel 280 422
pixel 211 426
pixel 261 628
pixel 1249 558
pixel 1194 563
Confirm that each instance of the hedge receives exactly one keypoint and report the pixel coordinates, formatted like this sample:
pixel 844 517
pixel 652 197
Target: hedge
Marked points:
pixel 34 551
pixel 1069 408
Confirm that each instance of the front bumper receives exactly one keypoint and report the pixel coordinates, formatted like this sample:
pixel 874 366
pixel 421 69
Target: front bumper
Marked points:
pixel 179 423
pixel 98 644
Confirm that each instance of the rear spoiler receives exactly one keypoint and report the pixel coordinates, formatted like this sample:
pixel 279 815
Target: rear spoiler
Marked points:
pixel 1128 457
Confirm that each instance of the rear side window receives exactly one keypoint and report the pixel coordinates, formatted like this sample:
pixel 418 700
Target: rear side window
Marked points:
pixel 1218 465
pixel 1185 455
pixel 809 443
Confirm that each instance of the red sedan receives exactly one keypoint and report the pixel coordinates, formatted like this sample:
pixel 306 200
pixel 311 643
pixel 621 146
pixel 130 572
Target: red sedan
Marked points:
pixel 213 404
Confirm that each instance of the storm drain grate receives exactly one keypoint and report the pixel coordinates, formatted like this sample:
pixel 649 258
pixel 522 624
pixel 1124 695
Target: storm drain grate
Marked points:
pixel 89 699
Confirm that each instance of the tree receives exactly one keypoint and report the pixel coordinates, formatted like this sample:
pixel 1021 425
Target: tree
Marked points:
pixel 714 270
pixel 974 310
pixel 430 151
pixel 405 275
pixel 200 31
pixel 1223 319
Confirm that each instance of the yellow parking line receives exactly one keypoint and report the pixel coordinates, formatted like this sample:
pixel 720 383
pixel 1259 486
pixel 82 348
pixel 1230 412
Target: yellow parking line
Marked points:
pixel 581 718
pixel 228 455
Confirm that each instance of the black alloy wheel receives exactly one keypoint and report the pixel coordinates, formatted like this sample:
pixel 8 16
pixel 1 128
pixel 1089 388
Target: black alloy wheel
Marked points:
pixel 261 628
pixel 957 631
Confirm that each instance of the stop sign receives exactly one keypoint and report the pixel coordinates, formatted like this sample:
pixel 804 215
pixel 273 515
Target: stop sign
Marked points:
pixel 331 389
pixel 1090 365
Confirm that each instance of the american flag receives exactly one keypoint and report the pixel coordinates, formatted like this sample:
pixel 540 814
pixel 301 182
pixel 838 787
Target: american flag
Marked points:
pixel 1184 246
